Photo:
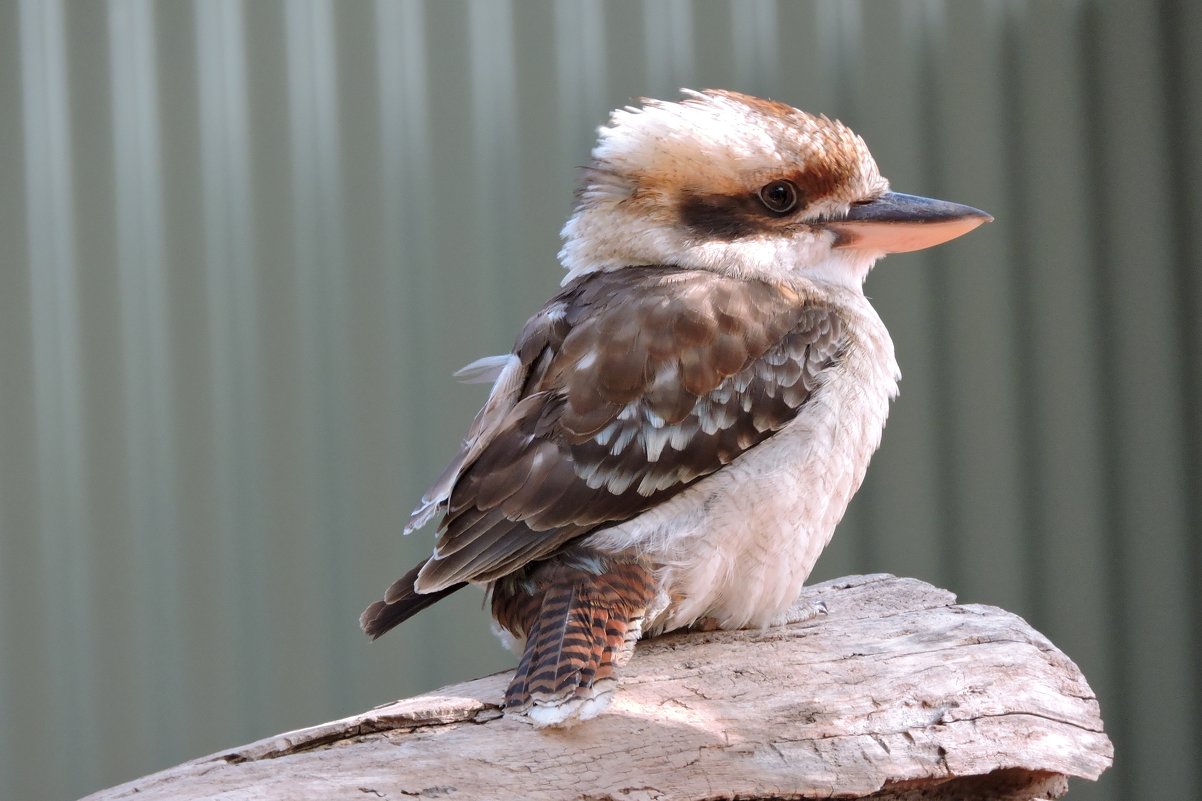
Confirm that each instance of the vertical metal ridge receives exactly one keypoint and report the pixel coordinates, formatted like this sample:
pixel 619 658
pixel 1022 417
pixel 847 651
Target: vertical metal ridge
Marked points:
pixel 235 366
pixel 1147 488
pixel 840 45
pixel 1030 431
pixel 1171 30
pixel 412 189
pixel 23 689
pixel 149 422
pixel 984 307
pixel 406 212
pixel 322 312
pixel 975 313
pixel 62 454
pixel 581 67
pixel 753 31
pixel 668 42
pixel 1180 26
pixel 412 255
pixel 1104 299
pixel 951 571
pixel 495 147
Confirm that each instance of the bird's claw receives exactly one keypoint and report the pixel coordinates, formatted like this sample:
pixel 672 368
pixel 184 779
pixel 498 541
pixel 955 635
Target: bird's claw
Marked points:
pixel 801 612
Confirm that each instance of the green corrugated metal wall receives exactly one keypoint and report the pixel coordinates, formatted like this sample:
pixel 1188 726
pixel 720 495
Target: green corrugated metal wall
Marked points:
pixel 243 245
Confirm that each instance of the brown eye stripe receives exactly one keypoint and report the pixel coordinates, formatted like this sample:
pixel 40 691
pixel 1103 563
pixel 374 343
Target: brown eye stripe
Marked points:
pixel 727 218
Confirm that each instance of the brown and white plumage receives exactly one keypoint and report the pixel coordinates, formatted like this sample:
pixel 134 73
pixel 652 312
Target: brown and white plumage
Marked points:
pixel 677 432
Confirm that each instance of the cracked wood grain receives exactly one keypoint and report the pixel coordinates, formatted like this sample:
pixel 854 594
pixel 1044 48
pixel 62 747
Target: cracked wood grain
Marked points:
pixel 896 693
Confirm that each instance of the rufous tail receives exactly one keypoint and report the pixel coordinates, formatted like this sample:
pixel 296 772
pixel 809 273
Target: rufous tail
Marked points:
pixel 579 628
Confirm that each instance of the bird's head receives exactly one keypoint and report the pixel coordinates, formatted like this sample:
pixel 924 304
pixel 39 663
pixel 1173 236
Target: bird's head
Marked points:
pixel 735 184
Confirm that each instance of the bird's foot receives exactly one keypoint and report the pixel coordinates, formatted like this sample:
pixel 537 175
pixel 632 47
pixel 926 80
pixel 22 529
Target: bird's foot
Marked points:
pixel 706 624
pixel 801 611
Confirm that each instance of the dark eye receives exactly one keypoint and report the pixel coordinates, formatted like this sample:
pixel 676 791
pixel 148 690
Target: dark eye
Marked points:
pixel 779 196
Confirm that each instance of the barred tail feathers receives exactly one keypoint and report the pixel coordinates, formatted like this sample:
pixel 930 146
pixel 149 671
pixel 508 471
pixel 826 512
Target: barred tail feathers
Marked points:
pixel 579 629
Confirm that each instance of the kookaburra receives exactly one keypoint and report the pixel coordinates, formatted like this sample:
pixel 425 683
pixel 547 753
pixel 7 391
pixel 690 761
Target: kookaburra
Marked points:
pixel 676 434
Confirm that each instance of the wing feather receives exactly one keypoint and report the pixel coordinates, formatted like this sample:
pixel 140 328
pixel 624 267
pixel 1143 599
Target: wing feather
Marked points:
pixel 621 392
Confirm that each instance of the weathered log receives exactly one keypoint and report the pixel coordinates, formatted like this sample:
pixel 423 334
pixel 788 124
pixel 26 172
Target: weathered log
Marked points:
pixel 897 692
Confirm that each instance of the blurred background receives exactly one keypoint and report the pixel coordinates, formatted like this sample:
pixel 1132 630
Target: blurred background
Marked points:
pixel 244 245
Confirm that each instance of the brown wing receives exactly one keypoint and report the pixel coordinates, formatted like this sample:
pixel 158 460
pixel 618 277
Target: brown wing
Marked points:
pixel 637 383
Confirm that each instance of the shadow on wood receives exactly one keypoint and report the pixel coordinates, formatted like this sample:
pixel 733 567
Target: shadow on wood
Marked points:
pixel 896 693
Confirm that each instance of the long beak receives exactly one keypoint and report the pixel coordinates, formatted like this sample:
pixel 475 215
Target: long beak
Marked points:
pixel 897 223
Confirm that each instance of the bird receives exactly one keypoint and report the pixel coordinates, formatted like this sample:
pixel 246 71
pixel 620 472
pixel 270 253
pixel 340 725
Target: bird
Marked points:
pixel 675 435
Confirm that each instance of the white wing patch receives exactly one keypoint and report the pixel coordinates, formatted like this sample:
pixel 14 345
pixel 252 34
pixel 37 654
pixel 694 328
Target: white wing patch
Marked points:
pixel 784 377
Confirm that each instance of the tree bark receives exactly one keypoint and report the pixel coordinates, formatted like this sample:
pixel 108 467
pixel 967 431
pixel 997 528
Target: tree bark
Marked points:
pixel 896 692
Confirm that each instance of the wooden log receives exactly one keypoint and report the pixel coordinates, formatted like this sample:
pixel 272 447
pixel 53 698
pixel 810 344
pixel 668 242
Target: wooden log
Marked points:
pixel 897 692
